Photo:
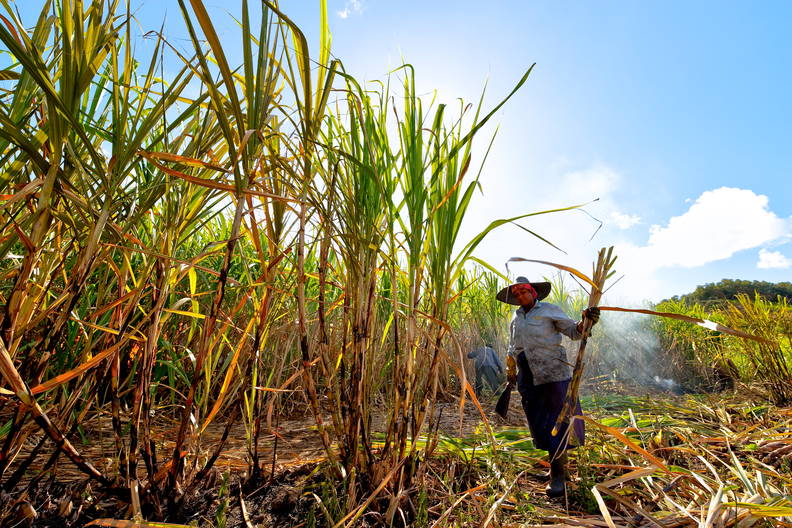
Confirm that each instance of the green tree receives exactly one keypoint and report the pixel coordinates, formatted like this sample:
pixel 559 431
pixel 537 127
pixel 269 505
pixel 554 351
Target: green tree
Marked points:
pixel 729 289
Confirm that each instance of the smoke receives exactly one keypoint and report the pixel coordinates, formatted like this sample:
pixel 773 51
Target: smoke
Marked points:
pixel 667 383
pixel 624 347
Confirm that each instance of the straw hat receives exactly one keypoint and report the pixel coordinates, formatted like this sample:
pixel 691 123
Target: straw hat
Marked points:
pixel 542 289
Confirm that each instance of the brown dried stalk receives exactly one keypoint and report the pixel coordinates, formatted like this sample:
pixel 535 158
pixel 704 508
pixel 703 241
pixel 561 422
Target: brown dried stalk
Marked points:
pixel 602 271
pixel 11 375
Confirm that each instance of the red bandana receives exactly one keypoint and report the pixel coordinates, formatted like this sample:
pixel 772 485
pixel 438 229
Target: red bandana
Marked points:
pixel 524 286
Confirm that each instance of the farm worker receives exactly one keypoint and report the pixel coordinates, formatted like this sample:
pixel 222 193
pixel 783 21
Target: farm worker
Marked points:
pixel 488 368
pixel 543 371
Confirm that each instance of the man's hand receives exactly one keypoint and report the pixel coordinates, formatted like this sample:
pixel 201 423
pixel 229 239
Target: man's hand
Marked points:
pixel 592 314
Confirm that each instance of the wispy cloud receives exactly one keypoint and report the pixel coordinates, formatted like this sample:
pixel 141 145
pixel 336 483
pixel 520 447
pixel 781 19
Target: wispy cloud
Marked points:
pixel 773 260
pixel 571 231
pixel 624 221
pixel 599 182
pixel 350 7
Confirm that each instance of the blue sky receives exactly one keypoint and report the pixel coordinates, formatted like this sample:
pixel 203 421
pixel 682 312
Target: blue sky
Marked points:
pixel 676 115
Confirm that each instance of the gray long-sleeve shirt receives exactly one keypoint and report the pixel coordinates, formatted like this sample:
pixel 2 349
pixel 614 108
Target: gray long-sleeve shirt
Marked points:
pixel 537 333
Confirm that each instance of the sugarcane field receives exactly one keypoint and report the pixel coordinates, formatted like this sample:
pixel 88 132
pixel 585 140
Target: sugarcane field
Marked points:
pixel 351 263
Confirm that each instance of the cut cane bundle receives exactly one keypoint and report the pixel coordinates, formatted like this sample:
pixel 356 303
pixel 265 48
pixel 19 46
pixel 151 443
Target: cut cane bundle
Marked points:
pixel 603 270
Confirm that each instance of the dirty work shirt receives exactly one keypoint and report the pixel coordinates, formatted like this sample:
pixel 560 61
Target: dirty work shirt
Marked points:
pixel 537 334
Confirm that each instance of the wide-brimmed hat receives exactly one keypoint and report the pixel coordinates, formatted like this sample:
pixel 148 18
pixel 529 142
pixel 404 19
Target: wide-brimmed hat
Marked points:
pixel 542 290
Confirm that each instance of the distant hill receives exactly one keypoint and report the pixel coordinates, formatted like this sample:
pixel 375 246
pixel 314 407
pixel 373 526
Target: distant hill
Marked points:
pixel 728 289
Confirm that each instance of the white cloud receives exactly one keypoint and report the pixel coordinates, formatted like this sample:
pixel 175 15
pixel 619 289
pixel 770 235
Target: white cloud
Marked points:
pixel 351 6
pixel 571 231
pixel 715 225
pixel 577 234
pixel 720 223
pixel 624 221
pixel 773 260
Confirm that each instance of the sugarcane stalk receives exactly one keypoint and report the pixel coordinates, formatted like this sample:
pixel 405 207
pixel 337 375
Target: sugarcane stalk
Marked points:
pixel 22 391
pixel 602 271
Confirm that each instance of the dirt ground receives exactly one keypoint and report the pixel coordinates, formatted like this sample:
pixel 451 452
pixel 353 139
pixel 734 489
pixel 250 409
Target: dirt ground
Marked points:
pixel 291 447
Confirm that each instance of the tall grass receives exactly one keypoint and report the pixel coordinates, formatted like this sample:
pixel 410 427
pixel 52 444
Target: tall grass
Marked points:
pixel 132 284
pixel 703 359
pixel 200 257
pixel 769 362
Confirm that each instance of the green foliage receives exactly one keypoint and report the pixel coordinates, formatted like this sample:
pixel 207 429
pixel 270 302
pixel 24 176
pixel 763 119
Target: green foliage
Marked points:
pixel 704 359
pixel 769 361
pixel 477 313
pixel 226 256
pixel 571 301
pixel 223 502
pixel 689 350
pixel 587 478
pixel 219 256
pixel 730 289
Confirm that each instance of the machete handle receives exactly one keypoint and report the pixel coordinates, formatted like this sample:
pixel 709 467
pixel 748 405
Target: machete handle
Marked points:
pixel 511 370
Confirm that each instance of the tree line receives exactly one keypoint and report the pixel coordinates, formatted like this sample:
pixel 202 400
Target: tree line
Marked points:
pixel 729 289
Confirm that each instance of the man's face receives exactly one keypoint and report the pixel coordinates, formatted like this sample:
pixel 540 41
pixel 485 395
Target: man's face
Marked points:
pixel 523 295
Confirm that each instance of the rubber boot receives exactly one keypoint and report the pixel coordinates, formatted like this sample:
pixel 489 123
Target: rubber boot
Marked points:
pixel 558 475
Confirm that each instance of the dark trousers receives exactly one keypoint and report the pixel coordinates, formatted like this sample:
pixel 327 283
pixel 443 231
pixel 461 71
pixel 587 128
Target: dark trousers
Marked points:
pixel 488 374
pixel 542 405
